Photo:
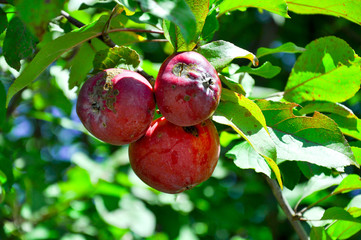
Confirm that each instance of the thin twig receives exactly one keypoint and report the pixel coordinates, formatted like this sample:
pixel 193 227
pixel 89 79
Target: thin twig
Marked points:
pixel 292 218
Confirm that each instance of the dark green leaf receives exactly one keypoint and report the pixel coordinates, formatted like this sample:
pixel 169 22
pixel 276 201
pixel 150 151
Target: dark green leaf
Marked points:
pixel 267 70
pixel 350 183
pixel 37 18
pixel 117 57
pixel 284 48
pixel 337 213
pixel 52 50
pixel 177 12
pixel 2 105
pixel 315 139
pixel 211 26
pixel 220 53
pixel 3 21
pixel 322 71
pixel 309 170
pixel 200 10
pixel 19 43
pixel 81 65
pixel 275 6
pixel 319 233
pixel 291 174
pixel 130 4
pixel 346 9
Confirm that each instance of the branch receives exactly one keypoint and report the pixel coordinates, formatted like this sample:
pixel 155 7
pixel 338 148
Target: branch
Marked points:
pixel 292 218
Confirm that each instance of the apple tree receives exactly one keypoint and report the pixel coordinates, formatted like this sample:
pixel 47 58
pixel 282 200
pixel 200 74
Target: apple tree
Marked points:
pixel 247 110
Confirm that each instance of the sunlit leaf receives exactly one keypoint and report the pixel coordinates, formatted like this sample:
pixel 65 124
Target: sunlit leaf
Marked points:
pixel 349 126
pixel 350 183
pixel 220 53
pixel 284 48
pixel 315 139
pixel 275 6
pixel 53 50
pixel 267 70
pixel 343 229
pixel 338 8
pixel 246 119
pixel 357 153
pixel 322 71
pixel 318 183
pixel 245 157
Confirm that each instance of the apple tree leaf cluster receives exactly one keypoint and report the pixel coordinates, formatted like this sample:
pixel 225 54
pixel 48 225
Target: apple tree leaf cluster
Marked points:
pixel 305 135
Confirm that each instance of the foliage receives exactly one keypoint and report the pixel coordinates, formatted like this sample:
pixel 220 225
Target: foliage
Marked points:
pixel 289 112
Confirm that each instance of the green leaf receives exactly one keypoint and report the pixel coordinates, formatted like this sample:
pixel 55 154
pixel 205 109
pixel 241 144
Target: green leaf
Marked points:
pixel 326 107
pixel 2 105
pixel 220 53
pixel 319 233
pixel 178 12
pixel 267 70
pixel 288 47
pixel 37 18
pixel 322 71
pixel 337 213
pixel 350 183
pixel 343 229
pixel 81 65
pixel 318 183
pixel 346 120
pixel 315 139
pixel 357 153
pixel 244 116
pixel 232 85
pixel 200 10
pixel 349 126
pixel 245 157
pixel 130 4
pixel 211 26
pixel 19 43
pixel 3 21
pixel 349 10
pixel 53 50
pixel 116 57
pixel 3 178
pixel 276 6
pixel 133 213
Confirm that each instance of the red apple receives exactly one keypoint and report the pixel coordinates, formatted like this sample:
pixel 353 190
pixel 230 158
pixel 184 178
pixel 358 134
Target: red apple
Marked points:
pixel 187 89
pixel 172 158
pixel 116 106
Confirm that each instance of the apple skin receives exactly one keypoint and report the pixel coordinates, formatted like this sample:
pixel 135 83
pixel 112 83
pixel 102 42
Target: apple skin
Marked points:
pixel 187 89
pixel 116 106
pixel 172 158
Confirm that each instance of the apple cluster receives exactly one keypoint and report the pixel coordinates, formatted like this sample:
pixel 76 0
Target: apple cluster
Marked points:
pixel 174 152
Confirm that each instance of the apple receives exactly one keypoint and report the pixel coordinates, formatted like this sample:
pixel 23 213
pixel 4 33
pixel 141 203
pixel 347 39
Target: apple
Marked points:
pixel 172 158
pixel 187 89
pixel 116 106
